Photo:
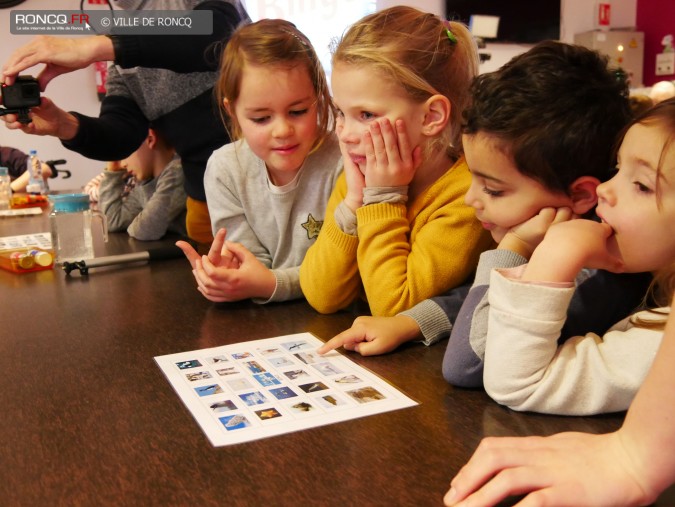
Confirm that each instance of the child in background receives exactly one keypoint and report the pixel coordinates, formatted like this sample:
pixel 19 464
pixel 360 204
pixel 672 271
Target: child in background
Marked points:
pixel 93 185
pixel 525 366
pixel 626 468
pixel 396 224
pixel 16 161
pixel 267 191
pixel 537 143
pixel 156 205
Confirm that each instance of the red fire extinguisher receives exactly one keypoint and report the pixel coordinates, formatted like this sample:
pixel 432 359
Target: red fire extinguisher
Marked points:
pixel 604 10
pixel 101 69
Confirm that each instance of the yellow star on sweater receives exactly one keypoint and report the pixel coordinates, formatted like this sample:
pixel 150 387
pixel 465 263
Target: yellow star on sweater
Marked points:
pixel 312 226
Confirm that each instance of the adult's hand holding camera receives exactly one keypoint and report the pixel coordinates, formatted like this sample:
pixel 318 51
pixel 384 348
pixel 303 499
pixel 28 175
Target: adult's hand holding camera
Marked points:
pixel 47 119
pixel 60 55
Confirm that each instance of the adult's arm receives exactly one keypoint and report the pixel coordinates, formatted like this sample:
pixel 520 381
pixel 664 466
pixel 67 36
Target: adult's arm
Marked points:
pixel 118 131
pixel 185 53
pixel 648 428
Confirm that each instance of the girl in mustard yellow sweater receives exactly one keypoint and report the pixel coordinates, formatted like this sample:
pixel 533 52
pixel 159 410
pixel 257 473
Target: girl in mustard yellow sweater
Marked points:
pixel 397 229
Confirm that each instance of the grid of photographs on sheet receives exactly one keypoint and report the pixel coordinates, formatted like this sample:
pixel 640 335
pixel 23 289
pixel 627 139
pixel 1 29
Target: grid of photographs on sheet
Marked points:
pixel 257 389
pixel 41 240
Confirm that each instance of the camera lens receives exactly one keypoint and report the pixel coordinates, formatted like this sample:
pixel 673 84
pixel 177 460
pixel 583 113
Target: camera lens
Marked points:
pixel 30 91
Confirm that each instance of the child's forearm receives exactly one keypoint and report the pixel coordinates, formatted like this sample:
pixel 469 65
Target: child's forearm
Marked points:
pixel 567 248
pixel 551 263
pixel 117 212
pixel 20 183
pixel 513 243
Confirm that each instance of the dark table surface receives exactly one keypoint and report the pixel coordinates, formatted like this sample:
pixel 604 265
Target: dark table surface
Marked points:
pixel 89 419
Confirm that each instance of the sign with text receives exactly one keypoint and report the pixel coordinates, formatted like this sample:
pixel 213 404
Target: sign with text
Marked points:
pixel 70 22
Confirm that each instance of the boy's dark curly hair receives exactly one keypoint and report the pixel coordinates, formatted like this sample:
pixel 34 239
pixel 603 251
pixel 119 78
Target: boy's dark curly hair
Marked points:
pixel 557 110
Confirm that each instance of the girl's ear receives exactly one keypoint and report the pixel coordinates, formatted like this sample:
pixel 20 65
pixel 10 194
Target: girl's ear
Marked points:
pixel 437 115
pixel 583 194
pixel 227 106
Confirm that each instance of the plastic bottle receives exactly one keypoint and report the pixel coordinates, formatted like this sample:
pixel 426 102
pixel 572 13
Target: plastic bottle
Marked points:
pixel 5 190
pixel 36 183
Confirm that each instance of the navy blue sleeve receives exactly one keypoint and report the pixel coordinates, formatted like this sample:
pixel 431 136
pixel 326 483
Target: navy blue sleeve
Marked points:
pixel 602 300
pixel 118 131
pixel 451 302
pixel 462 366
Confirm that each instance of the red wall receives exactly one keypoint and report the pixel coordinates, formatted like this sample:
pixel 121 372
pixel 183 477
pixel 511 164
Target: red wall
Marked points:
pixel 655 18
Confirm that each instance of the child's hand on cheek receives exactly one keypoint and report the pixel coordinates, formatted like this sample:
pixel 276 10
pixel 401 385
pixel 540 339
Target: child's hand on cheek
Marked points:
pixel 355 180
pixel 390 160
pixel 570 246
pixel 525 237
pixel 587 241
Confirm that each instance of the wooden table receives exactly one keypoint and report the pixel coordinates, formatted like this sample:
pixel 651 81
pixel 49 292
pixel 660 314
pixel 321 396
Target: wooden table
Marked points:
pixel 88 419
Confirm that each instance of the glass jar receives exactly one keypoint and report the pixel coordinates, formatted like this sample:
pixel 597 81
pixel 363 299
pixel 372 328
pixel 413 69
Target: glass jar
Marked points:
pixel 70 221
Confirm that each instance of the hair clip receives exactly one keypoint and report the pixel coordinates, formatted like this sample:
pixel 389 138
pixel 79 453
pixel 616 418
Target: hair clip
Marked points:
pixel 451 36
pixel 297 37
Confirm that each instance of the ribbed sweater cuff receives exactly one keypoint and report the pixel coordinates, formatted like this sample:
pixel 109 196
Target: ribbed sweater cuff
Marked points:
pixel 379 211
pixel 432 321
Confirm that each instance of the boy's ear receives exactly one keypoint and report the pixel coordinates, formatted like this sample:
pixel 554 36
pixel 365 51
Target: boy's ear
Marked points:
pixel 583 194
pixel 437 114
pixel 151 139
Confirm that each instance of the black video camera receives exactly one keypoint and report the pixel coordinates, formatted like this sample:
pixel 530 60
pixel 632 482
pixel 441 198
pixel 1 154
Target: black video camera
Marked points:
pixel 20 97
